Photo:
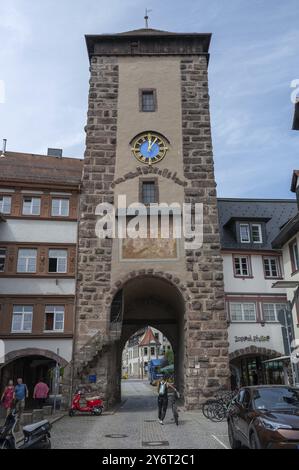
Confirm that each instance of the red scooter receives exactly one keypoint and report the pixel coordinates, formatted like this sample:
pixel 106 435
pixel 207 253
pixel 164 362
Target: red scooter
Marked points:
pixel 92 405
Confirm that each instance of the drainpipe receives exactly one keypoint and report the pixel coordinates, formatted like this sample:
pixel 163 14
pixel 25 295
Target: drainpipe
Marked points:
pixel 75 300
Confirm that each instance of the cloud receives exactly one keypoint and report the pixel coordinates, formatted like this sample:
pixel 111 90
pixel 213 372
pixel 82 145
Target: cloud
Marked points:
pixel 254 56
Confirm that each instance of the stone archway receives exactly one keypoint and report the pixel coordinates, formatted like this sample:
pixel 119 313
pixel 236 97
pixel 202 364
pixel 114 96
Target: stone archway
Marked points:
pixel 254 351
pixel 150 300
pixel 31 364
pixel 19 353
pixel 202 348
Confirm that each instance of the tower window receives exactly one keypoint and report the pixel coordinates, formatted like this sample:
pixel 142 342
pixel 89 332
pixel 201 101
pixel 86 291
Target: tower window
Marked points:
pixel 148 191
pixel 147 101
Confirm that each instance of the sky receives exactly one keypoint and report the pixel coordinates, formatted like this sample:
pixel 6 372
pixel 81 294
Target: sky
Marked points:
pixel 254 58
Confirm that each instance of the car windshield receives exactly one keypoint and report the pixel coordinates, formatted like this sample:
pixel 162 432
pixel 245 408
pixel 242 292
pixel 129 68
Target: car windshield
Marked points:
pixel 276 398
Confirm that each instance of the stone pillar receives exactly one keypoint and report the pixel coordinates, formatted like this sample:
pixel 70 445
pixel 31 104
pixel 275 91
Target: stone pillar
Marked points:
pixel 206 362
pixel 94 254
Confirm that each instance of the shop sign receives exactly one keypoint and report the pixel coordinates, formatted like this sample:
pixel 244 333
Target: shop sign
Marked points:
pixel 252 339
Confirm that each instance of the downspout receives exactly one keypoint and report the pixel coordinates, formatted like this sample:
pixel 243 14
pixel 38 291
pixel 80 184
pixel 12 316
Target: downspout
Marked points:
pixel 75 298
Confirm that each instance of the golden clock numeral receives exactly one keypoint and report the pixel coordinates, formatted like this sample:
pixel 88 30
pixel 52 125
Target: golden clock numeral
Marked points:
pixel 151 139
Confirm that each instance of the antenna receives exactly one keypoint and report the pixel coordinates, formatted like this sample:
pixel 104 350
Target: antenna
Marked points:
pixel 4 148
pixel 146 17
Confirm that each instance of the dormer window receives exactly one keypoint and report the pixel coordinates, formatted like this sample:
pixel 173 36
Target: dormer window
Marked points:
pixel 256 233
pixel 244 233
pixel 251 233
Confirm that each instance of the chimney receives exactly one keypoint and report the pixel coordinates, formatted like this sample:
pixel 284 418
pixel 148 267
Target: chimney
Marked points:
pixel 54 153
pixel 3 148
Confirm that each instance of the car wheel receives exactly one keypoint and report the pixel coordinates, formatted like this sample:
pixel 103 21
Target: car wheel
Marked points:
pixel 234 443
pixel 253 441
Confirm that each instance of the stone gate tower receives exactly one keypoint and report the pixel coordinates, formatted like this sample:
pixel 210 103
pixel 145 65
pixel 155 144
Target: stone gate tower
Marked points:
pixel 149 138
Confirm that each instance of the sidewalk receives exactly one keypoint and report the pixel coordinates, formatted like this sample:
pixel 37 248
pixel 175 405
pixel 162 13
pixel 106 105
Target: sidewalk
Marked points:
pixel 53 418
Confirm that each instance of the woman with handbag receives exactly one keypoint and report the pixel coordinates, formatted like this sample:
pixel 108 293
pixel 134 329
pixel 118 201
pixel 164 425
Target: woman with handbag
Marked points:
pixel 8 396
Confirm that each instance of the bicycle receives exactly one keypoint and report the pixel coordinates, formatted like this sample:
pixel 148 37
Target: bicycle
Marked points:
pixel 216 410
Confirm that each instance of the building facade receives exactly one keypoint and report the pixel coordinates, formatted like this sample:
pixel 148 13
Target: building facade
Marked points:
pixel 150 88
pixel 251 267
pixel 287 240
pixel 145 345
pixel 38 243
pixel 72 297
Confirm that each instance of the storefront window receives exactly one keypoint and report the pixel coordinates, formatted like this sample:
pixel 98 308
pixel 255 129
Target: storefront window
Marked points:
pixel 254 371
pixel 274 372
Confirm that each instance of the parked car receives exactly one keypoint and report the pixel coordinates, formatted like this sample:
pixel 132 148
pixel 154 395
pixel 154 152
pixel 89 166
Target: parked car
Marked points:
pixel 265 417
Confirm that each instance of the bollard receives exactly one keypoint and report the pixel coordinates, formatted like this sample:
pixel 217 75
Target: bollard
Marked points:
pixel 47 410
pixel 37 415
pixel 26 419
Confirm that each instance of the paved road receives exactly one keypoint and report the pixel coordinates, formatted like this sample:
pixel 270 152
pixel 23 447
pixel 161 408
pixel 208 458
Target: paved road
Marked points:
pixel 135 425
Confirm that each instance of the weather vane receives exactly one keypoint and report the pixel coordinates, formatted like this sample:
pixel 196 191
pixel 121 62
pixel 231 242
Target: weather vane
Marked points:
pixel 146 17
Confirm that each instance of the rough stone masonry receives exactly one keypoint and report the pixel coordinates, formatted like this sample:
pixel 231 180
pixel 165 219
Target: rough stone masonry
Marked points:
pixel 206 349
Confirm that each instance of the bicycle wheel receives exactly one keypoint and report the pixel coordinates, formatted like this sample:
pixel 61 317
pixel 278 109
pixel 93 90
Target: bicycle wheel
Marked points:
pixel 206 408
pixel 209 409
pixel 219 413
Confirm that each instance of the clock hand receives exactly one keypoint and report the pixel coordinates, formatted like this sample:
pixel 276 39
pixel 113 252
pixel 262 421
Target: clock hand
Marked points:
pixel 149 138
pixel 152 143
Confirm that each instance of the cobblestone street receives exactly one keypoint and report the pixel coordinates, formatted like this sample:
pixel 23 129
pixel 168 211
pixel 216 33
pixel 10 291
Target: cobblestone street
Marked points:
pixel 135 425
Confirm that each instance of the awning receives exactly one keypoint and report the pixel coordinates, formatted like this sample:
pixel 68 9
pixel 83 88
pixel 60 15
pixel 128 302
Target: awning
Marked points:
pixel 285 284
pixel 280 358
pixel 157 362
pixel 169 368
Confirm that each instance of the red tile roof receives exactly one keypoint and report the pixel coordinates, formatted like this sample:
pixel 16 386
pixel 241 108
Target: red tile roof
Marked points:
pixel 148 338
pixel 27 167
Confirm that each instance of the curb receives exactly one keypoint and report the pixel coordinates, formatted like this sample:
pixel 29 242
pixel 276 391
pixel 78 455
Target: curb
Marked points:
pixel 51 421
pixel 115 408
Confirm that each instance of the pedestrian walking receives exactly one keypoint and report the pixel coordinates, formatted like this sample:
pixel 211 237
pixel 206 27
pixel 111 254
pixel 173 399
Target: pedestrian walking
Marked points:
pixel 40 392
pixel 163 389
pixel 8 396
pixel 20 395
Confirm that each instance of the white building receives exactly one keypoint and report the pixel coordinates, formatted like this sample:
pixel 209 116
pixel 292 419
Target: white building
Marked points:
pixel 251 266
pixel 145 345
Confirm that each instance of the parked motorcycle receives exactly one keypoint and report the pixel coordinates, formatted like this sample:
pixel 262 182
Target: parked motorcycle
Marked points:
pixel 92 405
pixel 35 436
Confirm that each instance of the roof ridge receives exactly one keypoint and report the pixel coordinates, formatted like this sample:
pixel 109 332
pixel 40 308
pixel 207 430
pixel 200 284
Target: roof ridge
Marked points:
pixel 28 154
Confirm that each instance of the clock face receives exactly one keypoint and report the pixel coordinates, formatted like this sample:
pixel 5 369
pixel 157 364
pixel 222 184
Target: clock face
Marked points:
pixel 149 148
